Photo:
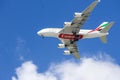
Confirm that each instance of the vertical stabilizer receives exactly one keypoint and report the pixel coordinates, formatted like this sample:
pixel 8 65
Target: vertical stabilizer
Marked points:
pixel 107 28
pixel 104 28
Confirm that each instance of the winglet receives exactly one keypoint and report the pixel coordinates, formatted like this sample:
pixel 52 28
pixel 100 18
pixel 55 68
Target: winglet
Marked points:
pixel 98 0
pixel 90 7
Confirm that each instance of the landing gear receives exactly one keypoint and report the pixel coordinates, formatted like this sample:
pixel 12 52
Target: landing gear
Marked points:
pixel 74 33
pixel 72 41
pixel 76 36
pixel 66 45
pixel 42 36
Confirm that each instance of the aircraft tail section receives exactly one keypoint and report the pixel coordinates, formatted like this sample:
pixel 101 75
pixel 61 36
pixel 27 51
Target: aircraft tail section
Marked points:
pixel 107 28
pixel 104 27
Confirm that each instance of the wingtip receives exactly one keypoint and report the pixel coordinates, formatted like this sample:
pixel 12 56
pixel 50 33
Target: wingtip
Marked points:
pixel 98 0
pixel 78 57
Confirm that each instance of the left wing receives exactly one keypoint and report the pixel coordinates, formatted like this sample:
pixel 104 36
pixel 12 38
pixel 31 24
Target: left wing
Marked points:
pixel 79 20
pixel 72 47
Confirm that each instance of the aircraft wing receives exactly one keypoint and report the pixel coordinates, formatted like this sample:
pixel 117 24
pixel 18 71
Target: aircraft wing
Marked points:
pixel 79 20
pixel 72 48
pixel 74 27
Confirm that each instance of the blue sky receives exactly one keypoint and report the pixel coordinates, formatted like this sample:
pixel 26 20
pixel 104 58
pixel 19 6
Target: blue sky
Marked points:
pixel 21 19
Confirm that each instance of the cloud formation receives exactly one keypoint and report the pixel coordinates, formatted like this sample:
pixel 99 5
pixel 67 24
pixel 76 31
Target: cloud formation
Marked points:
pixel 86 69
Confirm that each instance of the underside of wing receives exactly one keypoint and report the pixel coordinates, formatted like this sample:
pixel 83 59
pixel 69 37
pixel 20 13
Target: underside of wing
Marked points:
pixel 68 34
pixel 72 47
pixel 80 18
pixel 76 55
pixel 74 50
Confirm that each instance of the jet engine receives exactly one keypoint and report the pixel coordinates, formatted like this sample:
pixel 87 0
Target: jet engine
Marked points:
pixel 67 24
pixel 67 52
pixel 61 46
pixel 77 14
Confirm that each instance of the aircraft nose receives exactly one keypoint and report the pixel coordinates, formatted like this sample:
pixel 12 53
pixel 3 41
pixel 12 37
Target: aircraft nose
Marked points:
pixel 39 33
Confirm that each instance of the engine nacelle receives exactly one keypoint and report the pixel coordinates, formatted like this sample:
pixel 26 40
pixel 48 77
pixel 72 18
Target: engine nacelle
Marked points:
pixel 67 24
pixel 77 14
pixel 67 52
pixel 61 46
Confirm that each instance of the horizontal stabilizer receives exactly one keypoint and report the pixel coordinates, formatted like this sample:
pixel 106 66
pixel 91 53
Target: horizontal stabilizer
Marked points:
pixel 103 39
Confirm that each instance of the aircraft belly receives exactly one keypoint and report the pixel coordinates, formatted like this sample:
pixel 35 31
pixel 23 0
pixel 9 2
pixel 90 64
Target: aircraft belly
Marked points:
pixel 51 34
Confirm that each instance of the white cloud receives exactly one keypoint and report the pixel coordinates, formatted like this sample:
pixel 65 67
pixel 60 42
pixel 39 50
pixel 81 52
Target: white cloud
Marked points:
pixel 28 71
pixel 86 69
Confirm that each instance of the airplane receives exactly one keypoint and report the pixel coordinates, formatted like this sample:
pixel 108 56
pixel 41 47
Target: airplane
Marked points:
pixel 72 32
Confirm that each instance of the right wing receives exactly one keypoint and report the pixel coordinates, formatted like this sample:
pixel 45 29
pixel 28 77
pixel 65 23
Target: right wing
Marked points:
pixel 78 21
pixel 72 47
pixel 74 50
pixel 75 26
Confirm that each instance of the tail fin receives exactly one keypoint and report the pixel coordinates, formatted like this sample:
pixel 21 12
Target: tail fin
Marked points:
pixel 101 26
pixel 107 28
pixel 104 27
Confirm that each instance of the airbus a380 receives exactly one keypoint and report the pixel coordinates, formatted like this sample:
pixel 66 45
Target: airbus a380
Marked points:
pixel 72 31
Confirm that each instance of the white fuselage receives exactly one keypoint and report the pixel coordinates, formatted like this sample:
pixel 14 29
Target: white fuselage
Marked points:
pixel 54 32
